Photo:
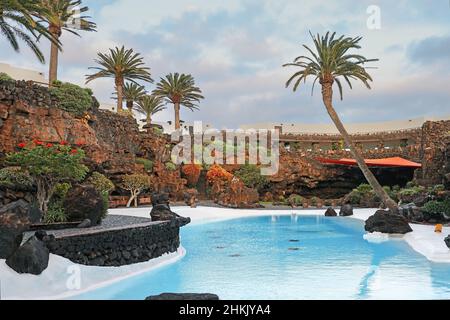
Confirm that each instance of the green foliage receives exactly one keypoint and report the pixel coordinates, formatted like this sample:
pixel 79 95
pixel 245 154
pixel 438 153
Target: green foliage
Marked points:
pixel 71 97
pixel 170 166
pixel 355 197
pixel 55 213
pixel 48 165
pixel 411 184
pixel 105 198
pixel 437 208
pixel 61 190
pixel 5 77
pixel 364 188
pixel 296 199
pixel 314 201
pixel 251 176
pixel 411 191
pixel 158 131
pixel 15 178
pixel 436 189
pixel 58 162
pixel 135 182
pixel 101 183
pixel 148 164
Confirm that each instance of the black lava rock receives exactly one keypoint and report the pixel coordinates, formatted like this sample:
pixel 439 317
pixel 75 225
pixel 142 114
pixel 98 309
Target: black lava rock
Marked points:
pixel 32 257
pixel 447 241
pixel 346 210
pixel 330 213
pixel 84 202
pixel 184 296
pixel 387 222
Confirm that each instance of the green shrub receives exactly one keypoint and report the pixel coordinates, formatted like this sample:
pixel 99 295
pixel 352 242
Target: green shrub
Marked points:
pixel 72 98
pixel 411 191
pixel 314 201
pixel 251 176
pixel 355 197
pixel 364 188
pixel 55 213
pixel 296 199
pixel 101 183
pixel 171 166
pixel 5 77
pixel 436 189
pixel 15 178
pixel 411 184
pixel 148 164
pixel 158 131
pixel 105 198
pixel 436 208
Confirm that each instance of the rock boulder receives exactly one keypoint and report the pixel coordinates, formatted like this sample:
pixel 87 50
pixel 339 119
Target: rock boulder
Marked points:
pixel 32 257
pixel 447 241
pixel 330 213
pixel 84 202
pixel 346 210
pixel 387 222
pixel 184 296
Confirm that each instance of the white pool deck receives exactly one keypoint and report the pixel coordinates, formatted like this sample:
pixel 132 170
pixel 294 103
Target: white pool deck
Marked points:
pixel 60 279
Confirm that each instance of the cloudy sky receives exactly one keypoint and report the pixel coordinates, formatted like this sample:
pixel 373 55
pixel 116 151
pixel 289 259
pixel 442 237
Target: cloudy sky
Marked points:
pixel 235 49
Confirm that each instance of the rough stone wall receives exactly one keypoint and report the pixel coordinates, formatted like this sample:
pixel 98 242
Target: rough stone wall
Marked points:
pixel 118 247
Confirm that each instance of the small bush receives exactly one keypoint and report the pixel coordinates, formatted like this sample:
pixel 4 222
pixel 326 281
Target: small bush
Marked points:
pixel 15 178
pixel 158 131
pixel 5 77
pixel 251 176
pixel 314 201
pixel 436 189
pixel 55 213
pixel 411 191
pixel 364 188
pixel 436 208
pixel 354 197
pixel 101 183
pixel 411 184
pixel 72 98
pixel 296 199
pixel 148 164
pixel 171 166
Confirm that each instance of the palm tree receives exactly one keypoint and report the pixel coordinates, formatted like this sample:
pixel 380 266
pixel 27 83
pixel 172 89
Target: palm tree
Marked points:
pixel 63 15
pixel 329 64
pixel 150 105
pixel 180 90
pixel 16 22
pixel 133 92
pixel 121 64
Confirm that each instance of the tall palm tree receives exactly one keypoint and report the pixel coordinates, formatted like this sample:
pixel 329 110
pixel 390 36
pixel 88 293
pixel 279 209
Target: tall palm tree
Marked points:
pixel 121 64
pixel 133 92
pixel 63 15
pixel 150 105
pixel 180 90
pixel 16 22
pixel 329 64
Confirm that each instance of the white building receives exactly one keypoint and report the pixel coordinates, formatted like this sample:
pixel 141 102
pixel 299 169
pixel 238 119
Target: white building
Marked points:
pixel 23 74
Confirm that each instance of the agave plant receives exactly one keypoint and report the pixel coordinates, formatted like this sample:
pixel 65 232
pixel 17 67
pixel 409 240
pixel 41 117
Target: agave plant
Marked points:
pixel 121 64
pixel 17 23
pixel 59 16
pixel 150 105
pixel 180 90
pixel 330 63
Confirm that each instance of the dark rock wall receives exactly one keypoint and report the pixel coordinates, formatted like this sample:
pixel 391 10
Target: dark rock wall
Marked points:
pixel 119 246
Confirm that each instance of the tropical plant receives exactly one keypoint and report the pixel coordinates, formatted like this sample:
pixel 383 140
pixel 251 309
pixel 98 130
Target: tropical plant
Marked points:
pixel 59 16
pixel 121 64
pixel 48 165
pixel 72 98
pixel 329 63
pixel 135 183
pixel 179 90
pixel 170 166
pixel 17 23
pixel 132 93
pixel 438 208
pixel 150 105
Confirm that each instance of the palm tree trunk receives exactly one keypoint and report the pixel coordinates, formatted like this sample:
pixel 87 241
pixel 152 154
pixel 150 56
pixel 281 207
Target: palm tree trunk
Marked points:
pixel 149 122
pixel 177 116
pixel 119 96
pixel 327 94
pixel 54 52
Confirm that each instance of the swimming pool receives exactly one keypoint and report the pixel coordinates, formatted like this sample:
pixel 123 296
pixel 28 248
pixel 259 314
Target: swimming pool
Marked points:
pixel 289 257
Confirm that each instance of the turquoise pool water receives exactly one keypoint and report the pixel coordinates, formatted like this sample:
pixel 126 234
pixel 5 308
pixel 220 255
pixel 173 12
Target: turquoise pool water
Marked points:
pixel 289 257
